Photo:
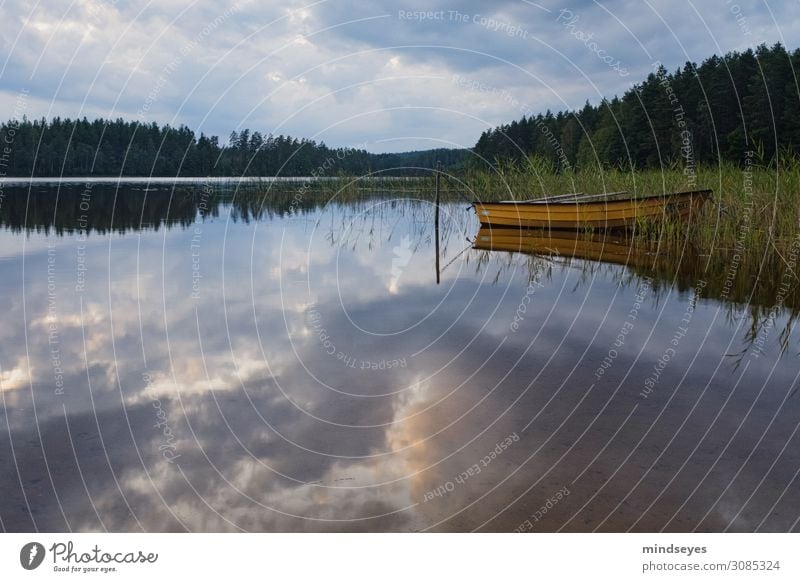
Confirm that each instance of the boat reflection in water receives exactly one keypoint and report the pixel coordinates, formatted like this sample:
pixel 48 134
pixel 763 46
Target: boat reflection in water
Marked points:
pixel 619 248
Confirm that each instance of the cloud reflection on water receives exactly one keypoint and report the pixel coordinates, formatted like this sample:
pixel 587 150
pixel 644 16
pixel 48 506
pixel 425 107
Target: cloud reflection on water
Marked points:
pixel 269 431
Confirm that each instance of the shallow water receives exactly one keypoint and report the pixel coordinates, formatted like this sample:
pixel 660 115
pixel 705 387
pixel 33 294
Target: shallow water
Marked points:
pixel 179 360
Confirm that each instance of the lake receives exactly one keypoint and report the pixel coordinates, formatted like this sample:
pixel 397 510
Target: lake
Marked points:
pixel 184 358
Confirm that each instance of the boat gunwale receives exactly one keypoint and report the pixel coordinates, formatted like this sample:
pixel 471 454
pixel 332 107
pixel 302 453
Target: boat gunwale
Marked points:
pixel 544 202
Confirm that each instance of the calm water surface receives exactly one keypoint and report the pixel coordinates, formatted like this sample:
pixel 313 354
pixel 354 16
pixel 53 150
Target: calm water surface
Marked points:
pixel 178 360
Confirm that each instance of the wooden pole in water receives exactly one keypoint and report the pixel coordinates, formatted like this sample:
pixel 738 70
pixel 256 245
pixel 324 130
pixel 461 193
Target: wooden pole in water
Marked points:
pixel 436 219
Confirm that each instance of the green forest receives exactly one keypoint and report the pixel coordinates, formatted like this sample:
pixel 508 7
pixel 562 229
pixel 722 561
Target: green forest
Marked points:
pixel 695 115
pixel 65 147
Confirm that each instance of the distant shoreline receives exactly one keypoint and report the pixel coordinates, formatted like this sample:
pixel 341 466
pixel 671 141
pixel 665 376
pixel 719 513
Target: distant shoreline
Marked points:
pixel 180 179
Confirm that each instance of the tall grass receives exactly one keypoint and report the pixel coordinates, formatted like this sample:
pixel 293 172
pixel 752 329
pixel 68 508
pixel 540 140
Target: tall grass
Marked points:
pixel 754 204
pixel 757 203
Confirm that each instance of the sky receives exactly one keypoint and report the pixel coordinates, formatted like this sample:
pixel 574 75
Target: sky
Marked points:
pixel 385 76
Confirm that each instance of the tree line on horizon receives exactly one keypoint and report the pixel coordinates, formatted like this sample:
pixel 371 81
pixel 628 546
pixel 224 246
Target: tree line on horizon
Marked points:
pixel 80 147
pixel 713 112
pixel 697 114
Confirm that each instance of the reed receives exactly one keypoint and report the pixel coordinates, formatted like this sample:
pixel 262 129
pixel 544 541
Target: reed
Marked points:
pixel 754 204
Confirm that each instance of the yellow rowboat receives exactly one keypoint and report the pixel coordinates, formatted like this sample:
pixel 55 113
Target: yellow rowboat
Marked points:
pixel 574 211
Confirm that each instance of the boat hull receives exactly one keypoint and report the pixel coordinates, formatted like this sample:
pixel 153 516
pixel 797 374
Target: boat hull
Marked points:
pixel 606 214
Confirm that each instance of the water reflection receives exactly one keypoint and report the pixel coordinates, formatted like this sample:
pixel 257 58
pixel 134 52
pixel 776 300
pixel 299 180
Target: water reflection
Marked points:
pixel 755 289
pixel 208 361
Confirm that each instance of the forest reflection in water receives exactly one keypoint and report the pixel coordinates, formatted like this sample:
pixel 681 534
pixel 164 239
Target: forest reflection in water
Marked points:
pixel 278 362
